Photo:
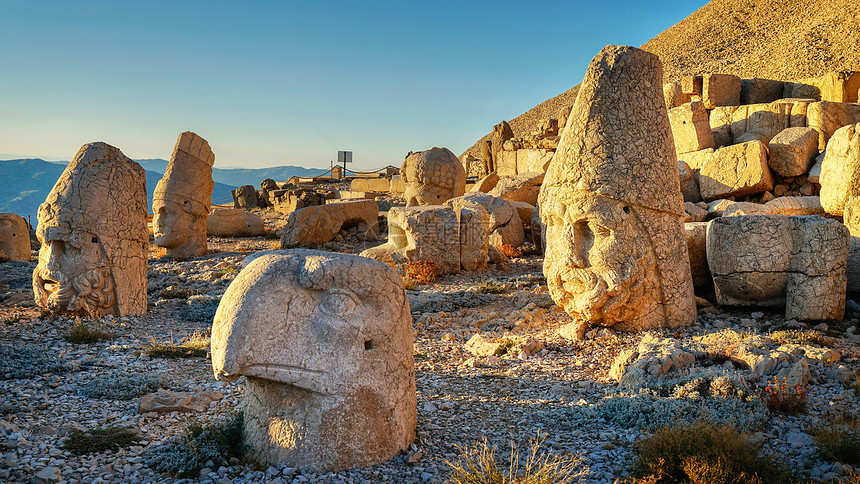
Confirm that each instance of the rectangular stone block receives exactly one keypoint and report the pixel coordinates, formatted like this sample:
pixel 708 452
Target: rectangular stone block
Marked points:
pixel 506 164
pixel 673 95
pixel 764 121
pixel 697 159
pixel 736 171
pixel 690 127
pixel 721 90
pixel 826 117
pixel 691 85
pixel 790 151
pixel 533 160
pixel 840 87
pixel 397 186
pixel 758 90
pixel 815 171
pixel 720 119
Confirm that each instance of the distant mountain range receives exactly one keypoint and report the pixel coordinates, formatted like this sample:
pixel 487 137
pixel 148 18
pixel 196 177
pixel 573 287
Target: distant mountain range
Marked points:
pixel 25 183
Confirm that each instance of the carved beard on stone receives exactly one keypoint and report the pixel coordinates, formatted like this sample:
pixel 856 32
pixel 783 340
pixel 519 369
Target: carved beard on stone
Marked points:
pixel 601 267
pixel 83 294
pixel 607 297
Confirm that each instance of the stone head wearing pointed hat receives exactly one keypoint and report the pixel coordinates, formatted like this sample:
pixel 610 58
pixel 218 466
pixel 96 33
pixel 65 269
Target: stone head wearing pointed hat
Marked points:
pixel 611 202
pixel 92 228
pixel 182 198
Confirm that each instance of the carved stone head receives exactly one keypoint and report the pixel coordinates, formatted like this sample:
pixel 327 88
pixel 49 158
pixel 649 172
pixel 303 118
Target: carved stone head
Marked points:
pixel 92 228
pixel 432 177
pixel 182 198
pixel 14 237
pixel 325 341
pixel 611 203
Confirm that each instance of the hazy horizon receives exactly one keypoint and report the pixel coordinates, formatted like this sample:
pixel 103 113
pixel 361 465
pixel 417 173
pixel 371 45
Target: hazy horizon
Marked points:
pixel 273 84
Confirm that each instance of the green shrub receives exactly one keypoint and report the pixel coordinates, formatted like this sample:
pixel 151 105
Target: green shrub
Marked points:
pixel 120 386
pixel 704 453
pixel 478 465
pixel 184 455
pixel 100 439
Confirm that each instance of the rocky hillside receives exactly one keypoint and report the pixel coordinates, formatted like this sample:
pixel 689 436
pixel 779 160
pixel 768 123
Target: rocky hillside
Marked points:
pixel 774 39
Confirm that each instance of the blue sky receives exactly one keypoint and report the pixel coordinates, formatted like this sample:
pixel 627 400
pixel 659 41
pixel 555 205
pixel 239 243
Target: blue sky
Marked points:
pixel 279 83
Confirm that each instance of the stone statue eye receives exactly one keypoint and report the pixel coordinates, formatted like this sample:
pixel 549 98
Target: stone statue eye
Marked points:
pixel 94 240
pixel 338 303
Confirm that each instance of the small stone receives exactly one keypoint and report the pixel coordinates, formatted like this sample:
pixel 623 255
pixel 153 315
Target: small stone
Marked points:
pixel 50 474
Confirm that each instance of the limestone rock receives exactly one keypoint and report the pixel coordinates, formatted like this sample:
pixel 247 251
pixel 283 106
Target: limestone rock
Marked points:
pixel 432 176
pixel 690 127
pixel 167 401
pixel 696 233
pixel 689 183
pixel 775 260
pixel 696 159
pixel 501 133
pixel 720 90
pixel 533 160
pixel 692 85
pixel 245 197
pixel 758 90
pixel 612 205
pixel 325 342
pixel 537 232
pixel 674 95
pixel 761 121
pixel 95 216
pixel 319 224
pixel 655 357
pixel 736 171
pixel 790 151
pixel 426 233
pixel 182 198
pixel 815 172
pixel 827 117
pixel 231 222
pixel 480 345
pixel 14 237
pixel 521 188
pixel 486 184
pixel 506 226
pixel 794 206
pixel 851 216
pixel 694 213
pixel 840 169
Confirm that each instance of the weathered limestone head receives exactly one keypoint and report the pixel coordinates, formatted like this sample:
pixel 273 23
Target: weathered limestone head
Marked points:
pixel 182 198
pixel 14 237
pixel 611 202
pixel 92 228
pixel 325 341
pixel 432 176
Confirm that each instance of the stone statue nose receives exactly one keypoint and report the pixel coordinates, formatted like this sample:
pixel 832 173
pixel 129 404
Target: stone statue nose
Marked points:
pixel 575 256
pixel 56 252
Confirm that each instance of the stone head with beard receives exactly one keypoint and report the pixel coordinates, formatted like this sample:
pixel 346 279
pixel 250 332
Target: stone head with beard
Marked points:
pixel 611 203
pixel 92 228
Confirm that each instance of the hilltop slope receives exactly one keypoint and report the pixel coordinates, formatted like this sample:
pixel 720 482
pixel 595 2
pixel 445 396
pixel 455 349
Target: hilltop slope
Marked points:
pixel 775 39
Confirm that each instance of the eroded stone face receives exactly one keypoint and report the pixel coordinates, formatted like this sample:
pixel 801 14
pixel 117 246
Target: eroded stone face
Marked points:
pixel 606 270
pixel 92 228
pixel 182 198
pixel 14 237
pixel 432 177
pixel 325 342
pixel 611 202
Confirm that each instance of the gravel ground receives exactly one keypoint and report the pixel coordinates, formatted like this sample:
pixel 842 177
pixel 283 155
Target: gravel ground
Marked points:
pixel 546 384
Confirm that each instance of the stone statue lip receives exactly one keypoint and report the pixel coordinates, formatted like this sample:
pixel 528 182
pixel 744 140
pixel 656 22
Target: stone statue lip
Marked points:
pixel 310 380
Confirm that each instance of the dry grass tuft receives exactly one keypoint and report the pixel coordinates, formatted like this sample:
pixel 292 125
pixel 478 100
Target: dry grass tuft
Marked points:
pixel 100 439
pixel 86 333
pixel 422 272
pixel 837 437
pixel 194 346
pixel 799 337
pixel 478 465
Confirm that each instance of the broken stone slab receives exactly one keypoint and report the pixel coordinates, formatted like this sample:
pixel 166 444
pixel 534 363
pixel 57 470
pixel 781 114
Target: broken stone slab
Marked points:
pixel 14 237
pixel 790 151
pixel 321 223
pixel 689 183
pixel 758 90
pixel 696 233
pixel 840 169
pixel 694 213
pixel 851 218
pixel 521 188
pixel 424 233
pixel 654 358
pixel 486 183
pixel 736 171
pixel 827 117
pixel 720 90
pixel 696 159
pixel 232 222
pixel 245 197
pixel 814 175
pixel 533 160
pixel 690 127
pixel 506 226
pixel 692 85
pixel 481 345
pixel 776 260
pixel 167 401
pixel 674 95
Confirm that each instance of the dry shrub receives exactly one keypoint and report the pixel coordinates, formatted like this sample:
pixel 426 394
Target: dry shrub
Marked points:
pixel 100 439
pixel 195 346
pixel 478 465
pixel 510 251
pixel 422 272
pixel 703 453
pixel 799 337
pixel 785 398
pixel 86 333
pixel 837 437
